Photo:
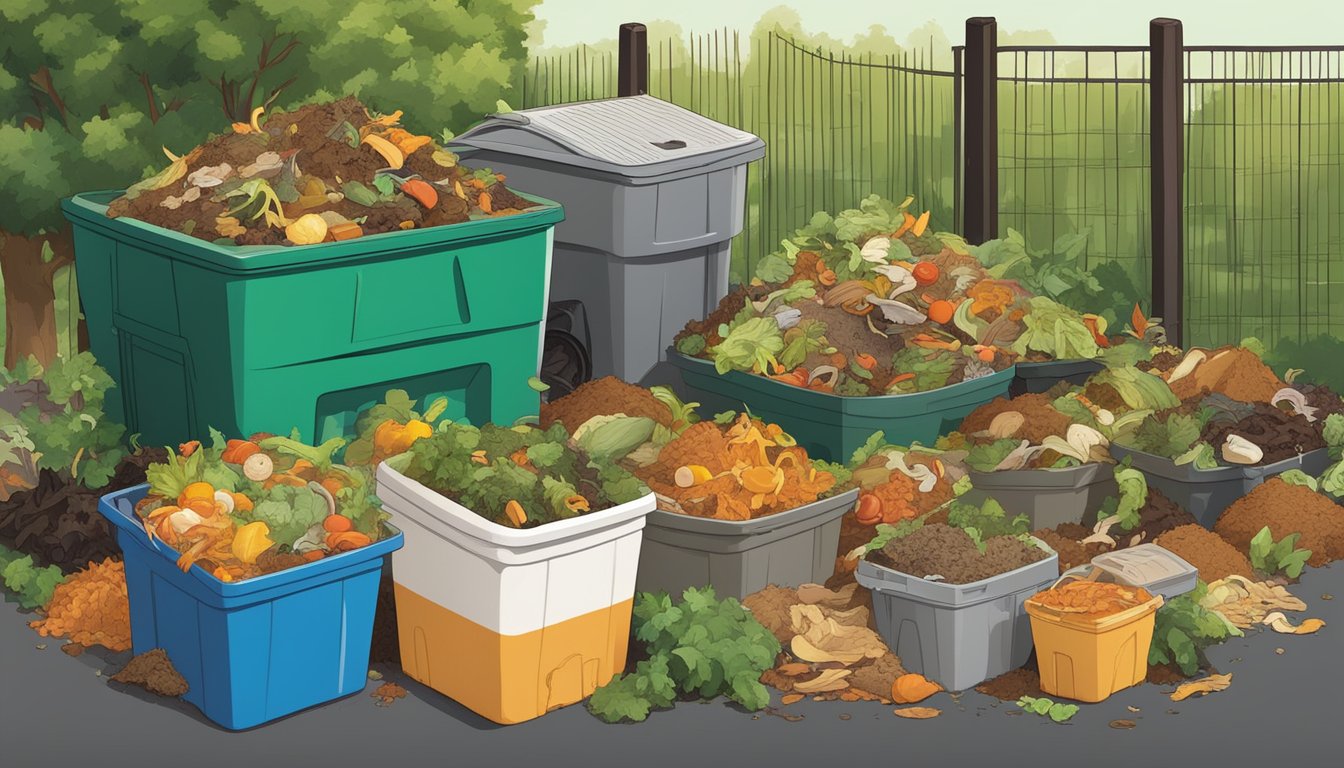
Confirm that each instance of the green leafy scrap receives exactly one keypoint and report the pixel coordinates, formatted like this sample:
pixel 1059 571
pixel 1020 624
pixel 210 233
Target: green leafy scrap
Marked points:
pixel 875 442
pixel 802 340
pixel 749 346
pixel 1298 477
pixel 1332 481
pixel 1133 488
pixel 1044 707
pixel 1282 556
pixel 984 457
pixel 987 519
pixel 691 345
pixel 1333 433
pixel 1183 629
pixel 774 268
pixel 30 585
pixel 931 368
pixel 1054 329
pixel 1139 389
pixel 1169 437
pixel 699 646
pixel 1201 456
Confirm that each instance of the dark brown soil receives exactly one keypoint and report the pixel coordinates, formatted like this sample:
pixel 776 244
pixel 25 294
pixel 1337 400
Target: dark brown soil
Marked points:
pixel 312 137
pixel 153 671
pixel 1324 399
pixel 600 397
pixel 59 523
pixel 1280 434
pixel 951 553
pixel 1158 516
pixel 1041 418
pixel 1064 539
pixel 1011 686
pixel 1286 509
pixel 876 678
pixel 1163 361
pixel 1165 674
pixel 386 647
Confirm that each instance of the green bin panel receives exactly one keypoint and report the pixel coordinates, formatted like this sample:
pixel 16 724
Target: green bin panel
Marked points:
pixel 266 339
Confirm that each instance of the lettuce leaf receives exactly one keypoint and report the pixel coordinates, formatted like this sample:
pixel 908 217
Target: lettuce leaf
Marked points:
pixel 1055 330
pixel 749 346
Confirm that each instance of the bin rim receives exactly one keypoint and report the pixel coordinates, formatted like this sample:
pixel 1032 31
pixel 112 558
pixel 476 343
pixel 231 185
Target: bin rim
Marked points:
pixel 1092 626
pixel 1029 369
pixel 876 585
pixel 709 526
pixel 1189 473
pixel 89 209
pixel 119 509
pixel 468 523
pixel 878 406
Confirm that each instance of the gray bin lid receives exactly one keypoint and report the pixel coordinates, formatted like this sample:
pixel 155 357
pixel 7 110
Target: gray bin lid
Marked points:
pixel 633 136
pixel 1155 568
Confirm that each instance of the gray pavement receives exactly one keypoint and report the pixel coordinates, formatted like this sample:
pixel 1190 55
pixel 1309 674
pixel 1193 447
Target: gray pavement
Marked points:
pixel 57 711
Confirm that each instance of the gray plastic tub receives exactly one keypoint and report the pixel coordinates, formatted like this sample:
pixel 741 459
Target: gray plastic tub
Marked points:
pixel 652 198
pixel 741 557
pixel 1205 493
pixel 1156 569
pixel 1040 377
pixel 1048 496
pixel 957 635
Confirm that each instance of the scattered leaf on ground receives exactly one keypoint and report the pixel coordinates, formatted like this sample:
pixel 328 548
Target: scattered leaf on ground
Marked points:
pixel 1133 709
pixel 917 713
pixel 1280 623
pixel 783 715
pixel 792 698
pixel 375 674
pixel 388 693
pixel 1123 725
pixel 1204 686
pixel 1327 597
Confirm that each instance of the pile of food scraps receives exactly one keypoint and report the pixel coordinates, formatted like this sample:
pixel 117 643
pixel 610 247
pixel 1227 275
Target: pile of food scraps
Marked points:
pixel 1091 599
pixel 91 607
pixel 239 509
pixel 1211 555
pixel 952 554
pixel 740 470
pixel 605 396
pixel 1156 514
pixel 1286 509
pixel 324 172
pixel 1215 430
pixel 1033 431
pixel 524 477
pixel 830 649
pixel 153 671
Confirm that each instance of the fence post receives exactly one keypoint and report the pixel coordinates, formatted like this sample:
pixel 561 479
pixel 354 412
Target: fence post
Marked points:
pixel 632 74
pixel 981 187
pixel 1167 94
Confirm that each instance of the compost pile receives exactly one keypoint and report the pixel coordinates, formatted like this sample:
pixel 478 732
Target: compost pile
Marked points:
pixel 1032 431
pixel 1286 508
pixel 153 671
pixel 245 508
pixel 324 172
pixel 741 470
pixel 951 553
pixel 526 477
pixel 90 608
pixel 1215 430
pixel 1236 372
pixel 830 649
pixel 601 397
pixel 1091 599
pixel 1211 555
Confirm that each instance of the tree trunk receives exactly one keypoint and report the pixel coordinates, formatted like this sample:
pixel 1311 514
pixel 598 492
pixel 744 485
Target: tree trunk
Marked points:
pixel 30 297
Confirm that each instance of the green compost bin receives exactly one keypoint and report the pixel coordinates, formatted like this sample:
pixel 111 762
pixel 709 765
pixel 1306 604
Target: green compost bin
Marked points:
pixel 830 426
pixel 269 338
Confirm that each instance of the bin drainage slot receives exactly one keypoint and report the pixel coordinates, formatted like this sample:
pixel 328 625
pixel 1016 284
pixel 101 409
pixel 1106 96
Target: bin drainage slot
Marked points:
pixel 670 144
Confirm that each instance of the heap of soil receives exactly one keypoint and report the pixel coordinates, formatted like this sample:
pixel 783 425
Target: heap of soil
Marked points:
pixel 950 552
pixel 59 523
pixel 1040 417
pixel 601 397
pixel 1066 539
pixel 1213 557
pixel 153 671
pixel 876 678
pixel 1236 372
pixel 1011 686
pixel 1286 509
pixel 314 139
pixel 1159 515
pixel 1280 434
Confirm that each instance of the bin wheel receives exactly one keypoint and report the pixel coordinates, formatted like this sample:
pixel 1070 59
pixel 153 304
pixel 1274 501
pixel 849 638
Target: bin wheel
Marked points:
pixel 565 364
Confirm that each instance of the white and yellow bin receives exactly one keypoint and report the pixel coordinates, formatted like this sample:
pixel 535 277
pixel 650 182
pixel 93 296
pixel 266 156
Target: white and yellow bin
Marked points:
pixel 511 623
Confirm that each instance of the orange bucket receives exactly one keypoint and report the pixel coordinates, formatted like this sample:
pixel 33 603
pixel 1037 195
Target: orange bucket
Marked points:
pixel 1087 658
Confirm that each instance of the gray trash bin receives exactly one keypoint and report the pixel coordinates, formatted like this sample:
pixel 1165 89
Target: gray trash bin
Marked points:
pixel 653 195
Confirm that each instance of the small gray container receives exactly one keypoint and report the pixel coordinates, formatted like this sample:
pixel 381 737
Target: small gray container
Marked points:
pixel 738 558
pixel 1156 569
pixel 1205 493
pixel 1040 377
pixel 1048 496
pixel 957 635
pixel 653 195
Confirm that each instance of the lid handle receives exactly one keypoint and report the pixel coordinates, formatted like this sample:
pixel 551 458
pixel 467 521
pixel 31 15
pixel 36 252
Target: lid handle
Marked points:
pixel 669 144
pixel 512 117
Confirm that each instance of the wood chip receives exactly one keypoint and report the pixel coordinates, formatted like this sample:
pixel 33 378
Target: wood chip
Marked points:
pixel 792 698
pixel 1124 725
pixel 917 713
pixel 1201 687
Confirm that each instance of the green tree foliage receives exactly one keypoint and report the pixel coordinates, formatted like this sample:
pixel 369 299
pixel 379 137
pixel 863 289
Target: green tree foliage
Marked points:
pixel 89 92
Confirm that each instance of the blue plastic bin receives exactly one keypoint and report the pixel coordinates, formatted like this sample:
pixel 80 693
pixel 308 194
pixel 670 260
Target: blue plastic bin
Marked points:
pixel 256 650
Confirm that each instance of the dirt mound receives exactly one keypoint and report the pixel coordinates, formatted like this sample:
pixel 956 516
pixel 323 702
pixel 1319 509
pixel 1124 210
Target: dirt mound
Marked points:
pixel 601 397
pixel 1286 509
pixel 951 553
pixel 1234 371
pixel 1213 557
pixel 1040 417
pixel 1280 434
pixel 153 671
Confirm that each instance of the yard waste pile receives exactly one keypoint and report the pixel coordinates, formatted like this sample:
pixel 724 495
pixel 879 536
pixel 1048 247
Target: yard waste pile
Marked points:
pixel 58 453
pixel 324 172
pixel 90 607
pixel 1287 509
pixel 829 648
pixel 245 508
pixel 872 302
pixel 601 397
